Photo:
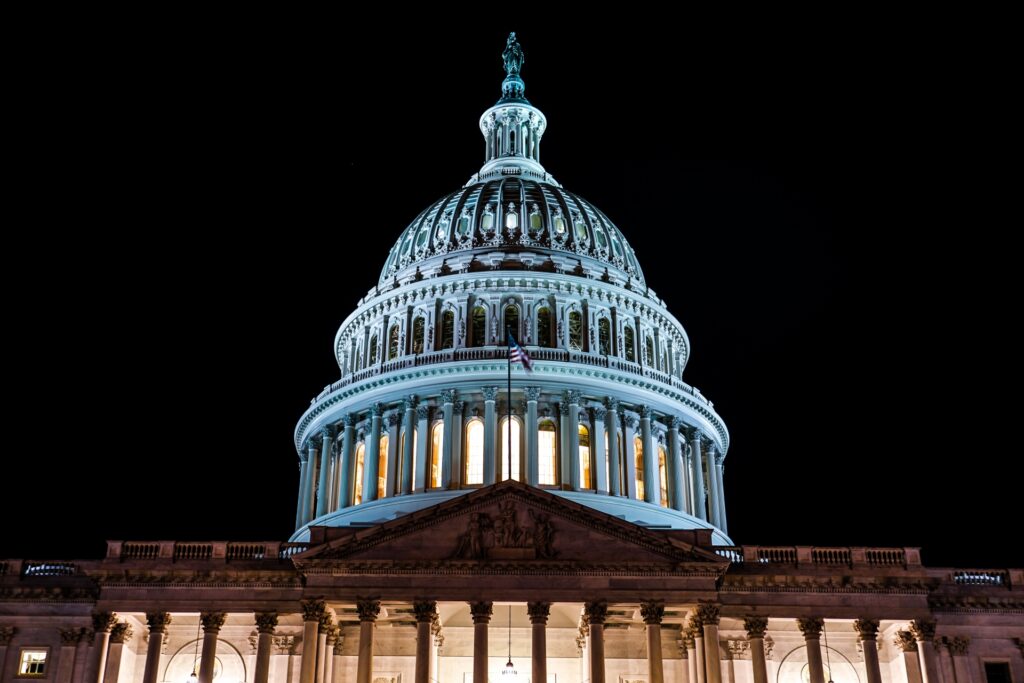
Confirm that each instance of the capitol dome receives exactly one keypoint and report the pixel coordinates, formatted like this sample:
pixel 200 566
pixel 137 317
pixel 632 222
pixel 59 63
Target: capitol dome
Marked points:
pixel 427 408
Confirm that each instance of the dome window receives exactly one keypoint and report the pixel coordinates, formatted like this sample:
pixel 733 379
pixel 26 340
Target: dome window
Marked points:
pixel 464 228
pixel 512 320
pixel 638 449
pixel 357 496
pixel 599 236
pixel 630 345
pixel 436 451
pixel 547 452
pixel 536 220
pixel 651 359
pixel 487 222
pixel 544 327
pixel 373 351
pixel 559 224
pixel 418 326
pixel 585 481
pixel 475 452
pixel 580 226
pixel 515 448
pixel 604 329
pixel 447 329
pixel 382 468
pixel 663 477
pixel 478 330
pixel 575 331
pixel 393 343
pixel 512 217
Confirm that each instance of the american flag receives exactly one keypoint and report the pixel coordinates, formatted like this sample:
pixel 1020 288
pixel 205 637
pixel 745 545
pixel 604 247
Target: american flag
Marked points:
pixel 516 353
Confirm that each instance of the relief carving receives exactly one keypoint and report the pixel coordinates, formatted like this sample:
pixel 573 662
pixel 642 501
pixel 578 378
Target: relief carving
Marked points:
pixel 503 537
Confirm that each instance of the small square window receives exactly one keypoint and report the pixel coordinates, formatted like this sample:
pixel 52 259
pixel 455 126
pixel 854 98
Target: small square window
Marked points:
pixel 32 662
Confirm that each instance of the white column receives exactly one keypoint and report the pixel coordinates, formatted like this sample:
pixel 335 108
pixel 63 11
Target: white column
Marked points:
pixel 653 612
pixel 924 632
pixel 629 454
pixel 424 451
pixel 212 623
pixel 368 611
pixel 322 633
pixel 409 426
pixel 867 633
pixel 614 466
pixel 481 612
pixel 713 507
pixel 158 623
pixel 391 483
pixel 338 668
pixel 723 524
pixel 564 461
pixel 698 645
pixel 491 453
pixel 811 628
pixel 532 456
pixel 266 622
pixel 908 646
pixel 677 493
pixel 309 483
pixel 756 627
pixel 652 485
pixel 346 469
pixel 323 487
pixel 332 638
pixel 697 475
pixel 371 458
pixel 599 478
pixel 573 399
pixel 66 660
pixel 120 635
pixel 451 476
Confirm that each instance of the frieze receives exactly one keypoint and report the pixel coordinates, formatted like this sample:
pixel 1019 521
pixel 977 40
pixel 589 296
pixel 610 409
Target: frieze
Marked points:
pixel 503 537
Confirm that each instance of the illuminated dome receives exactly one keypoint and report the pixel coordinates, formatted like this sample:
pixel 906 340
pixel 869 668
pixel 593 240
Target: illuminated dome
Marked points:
pixel 423 412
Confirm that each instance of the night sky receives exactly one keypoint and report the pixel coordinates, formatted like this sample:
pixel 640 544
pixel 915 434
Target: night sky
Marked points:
pixel 815 211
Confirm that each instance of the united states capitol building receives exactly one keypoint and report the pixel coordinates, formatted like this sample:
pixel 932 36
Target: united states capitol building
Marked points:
pixel 461 522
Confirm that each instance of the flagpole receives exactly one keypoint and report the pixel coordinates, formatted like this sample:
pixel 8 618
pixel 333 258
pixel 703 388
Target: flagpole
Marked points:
pixel 508 421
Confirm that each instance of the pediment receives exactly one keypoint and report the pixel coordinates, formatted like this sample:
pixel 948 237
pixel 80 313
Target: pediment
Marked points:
pixel 512 522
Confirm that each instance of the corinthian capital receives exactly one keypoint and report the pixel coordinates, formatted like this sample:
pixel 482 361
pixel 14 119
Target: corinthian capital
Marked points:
pixel 645 412
pixel 327 432
pixel 596 611
pixel 708 613
pixel 532 393
pixel 7 634
pixel 394 419
pixel 266 622
pixel 481 611
pixel 904 640
pixel 867 629
pixel 612 403
pixel 121 633
pixel 424 610
pixel 377 410
pixel 423 412
pixel 652 611
pixel 810 626
pixel 922 629
pixel 631 422
pixel 158 621
pixel 348 419
pixel 538 612
pixel 490 393
pixel 755 626
pixel 103 621
pixel 448 396
pixel 312 610
pixel 674 422
pixel 409 402
pixel 368 609
pixel 598 412
pixel 959 646
pixel 212 621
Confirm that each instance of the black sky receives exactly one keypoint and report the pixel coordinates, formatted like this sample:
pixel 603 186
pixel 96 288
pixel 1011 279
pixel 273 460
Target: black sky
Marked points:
pixel 816 210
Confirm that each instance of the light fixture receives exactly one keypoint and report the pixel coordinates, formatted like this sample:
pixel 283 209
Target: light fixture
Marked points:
pixel 509 673
pixel 194 678
pixel 828 661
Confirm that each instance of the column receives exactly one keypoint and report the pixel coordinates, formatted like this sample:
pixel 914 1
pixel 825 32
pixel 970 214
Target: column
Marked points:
pixel 425 611
pixel 924 632
pixel 266 622
pixel 538 612
pixel 339 664
pixel 81 656
pixel 212 623
pixel 332 638
pixel 491 453
pixel 691 656
pixel 677 492
pixel 312 611
pixel 158 623
pixel 614 466
pixel 391 484
pixel 66 661
pixel 458 430
pixel 945 664
pixel 368 611
pixel 450 476
pixel 698 645
pixel 348 448
pixel 811 628
pixel 867 633
pixel 371 457
pixel 599 478
pixel 424 452
pixel 908 646
pixel 309 482
pixel 409 403
pixel 720 476
pixel 564 461
pixel 532 448
pixel 481 612
pixel 120 635
pixel 697 475
pixel 629 454
pixel 653 611
pixel 575 470
pixel 756 627
pixel 6 636
pixel 728 668
pixel 596 613
pixel 959 648
pixel 712 452
pixel 652 487
pixel 322 487
pixel 323 631
pixel 300 519
pixel 102 623
pixel 712 657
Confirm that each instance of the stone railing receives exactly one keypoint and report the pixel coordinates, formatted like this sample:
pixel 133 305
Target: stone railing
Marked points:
pixel 980 577
pixel 202 551
pixel 798 555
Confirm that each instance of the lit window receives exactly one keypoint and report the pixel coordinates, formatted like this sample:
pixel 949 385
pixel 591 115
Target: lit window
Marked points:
pixel 382 467
pixel 436 450
pixel 511 218
pixel 32 663
pixel 401 455
pixel 373 350
pixel 575 330
pixel 536 220
pixel 515 449
pixel 547 451
pixel 360 453
pixel 604 328
pixel 393 343
pixel 417 335
pixel 512 320
pixel 585 458
pixel 487 223
pixel 638 447
pixel 559 224
pixel 663 477
pixel 475 452
pixel 463 225
pixel 581 229
pixel 630 346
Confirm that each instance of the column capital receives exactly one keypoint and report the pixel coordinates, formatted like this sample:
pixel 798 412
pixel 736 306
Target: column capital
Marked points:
pixel 448 396
pixel 409 402
pixel 688 633
pixel 538 612
pixel 596 611
pixel 326 623
pixel 810 626
pixel 563 409
pixel 532 393
pixel 394 418
pixel 423 412
pixel 460 408
pixel 674 422
pixel 612 403
pixel 68 636
pixel 368 608
pixel 266 622
pixel 103 621
pixel 573 396
pixel 424 610
pixel 348 420
pixel 959 646
pixel 327 432
pixel 490 393
pixel 922 629
pixel 719 457
pixel 867 629
pixel 332 637
pixel 212 621
pixel 631 421
pixel 313 609
pixel 158 621
pixel 377 410
pixel 339 643
pixel 598 412
pixel 708 613
pixel 645 412
pixel 481 612
pixel 693 434
pixel 652 611
pixel 121 633
pixel 755 626
pixel 904 640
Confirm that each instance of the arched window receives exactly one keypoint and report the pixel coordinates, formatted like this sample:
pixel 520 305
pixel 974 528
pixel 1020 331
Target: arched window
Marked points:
pixel 559 224
pixel 547 453
pixel 604 333
pixel 422 235
pixel 630 346
pixel 478 332
pixel 544 326
pixel 602 241
pixel 585 480
pixel 663 476
pixel 638 448
pixel 393 343
pixel 664 360
pixel 515 449
pixel 511 217
pixel 475 452
pixel 382 467
pixel 536 220
pixel 575 331
pixel 651 360
pixel 580 226
pixel 512 321
pixel 357 497
pixel 436 451
pixel 447 329
pixel 373 350
pixel 418 326
pixel 512 142
pixel 463 227
pixel 487 222
pixel 358 365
